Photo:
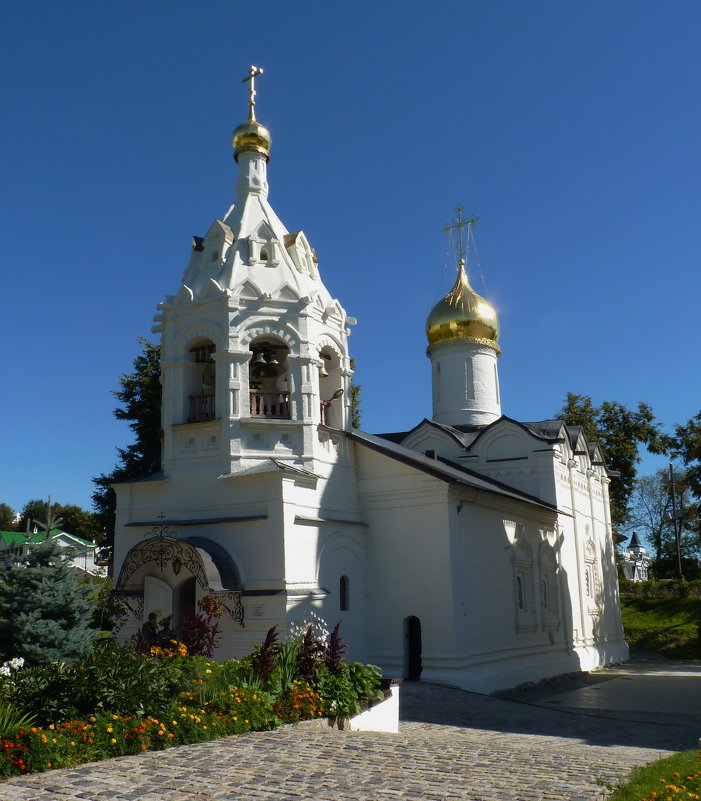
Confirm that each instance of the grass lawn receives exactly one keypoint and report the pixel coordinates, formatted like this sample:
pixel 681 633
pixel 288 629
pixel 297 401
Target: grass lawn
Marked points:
pixel 669 626
pixel 677 777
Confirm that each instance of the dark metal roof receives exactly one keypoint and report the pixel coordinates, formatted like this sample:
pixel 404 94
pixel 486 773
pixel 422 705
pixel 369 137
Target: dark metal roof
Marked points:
pixel 444 469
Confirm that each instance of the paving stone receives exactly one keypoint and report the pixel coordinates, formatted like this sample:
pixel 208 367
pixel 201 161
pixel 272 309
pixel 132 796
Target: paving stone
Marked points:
pixel 452 746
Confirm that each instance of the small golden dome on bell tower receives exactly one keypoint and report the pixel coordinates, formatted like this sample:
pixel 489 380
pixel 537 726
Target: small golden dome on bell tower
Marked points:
pixel 251 135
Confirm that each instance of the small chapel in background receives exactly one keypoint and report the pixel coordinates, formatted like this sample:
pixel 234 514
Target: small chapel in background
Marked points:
pixel 474 549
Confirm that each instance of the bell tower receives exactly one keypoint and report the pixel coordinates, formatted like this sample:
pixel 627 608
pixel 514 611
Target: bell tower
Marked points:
pixel 254 355
pixel 463 332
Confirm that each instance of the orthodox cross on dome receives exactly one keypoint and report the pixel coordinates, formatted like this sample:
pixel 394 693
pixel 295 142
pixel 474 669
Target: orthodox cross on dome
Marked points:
pixel 252 72
pixel 459 225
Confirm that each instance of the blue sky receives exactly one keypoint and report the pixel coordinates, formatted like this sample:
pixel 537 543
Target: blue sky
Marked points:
pixel 570 130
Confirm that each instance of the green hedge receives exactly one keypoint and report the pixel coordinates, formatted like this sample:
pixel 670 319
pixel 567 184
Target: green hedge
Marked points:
pixel 665 588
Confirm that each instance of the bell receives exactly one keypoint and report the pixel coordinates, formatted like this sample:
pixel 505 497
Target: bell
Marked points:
pixel 323 372
pixel 272 359
pixel 260 359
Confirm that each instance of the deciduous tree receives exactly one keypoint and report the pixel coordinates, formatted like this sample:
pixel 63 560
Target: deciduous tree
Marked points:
pixel 71 518
pixel 652 516
pixel 686 445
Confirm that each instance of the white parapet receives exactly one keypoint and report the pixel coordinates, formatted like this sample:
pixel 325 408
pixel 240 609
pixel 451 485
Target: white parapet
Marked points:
pixel 379 716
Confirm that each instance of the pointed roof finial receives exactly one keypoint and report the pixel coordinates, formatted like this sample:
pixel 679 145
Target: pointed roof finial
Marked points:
pixel 458 226
pixel 252 72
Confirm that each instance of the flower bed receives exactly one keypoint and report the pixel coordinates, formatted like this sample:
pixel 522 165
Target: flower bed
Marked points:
pixel 120 701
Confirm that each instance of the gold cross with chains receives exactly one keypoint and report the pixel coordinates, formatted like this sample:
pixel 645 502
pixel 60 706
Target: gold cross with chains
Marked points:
pixel 252 72
pixel 458 226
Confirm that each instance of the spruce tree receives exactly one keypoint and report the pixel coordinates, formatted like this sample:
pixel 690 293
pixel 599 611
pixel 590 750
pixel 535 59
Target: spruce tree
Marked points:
pixel 46 610
pixel 140 399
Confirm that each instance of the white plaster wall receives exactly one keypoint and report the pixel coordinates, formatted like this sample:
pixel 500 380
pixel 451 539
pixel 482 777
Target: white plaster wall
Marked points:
pixel 455 570
pixel 465 384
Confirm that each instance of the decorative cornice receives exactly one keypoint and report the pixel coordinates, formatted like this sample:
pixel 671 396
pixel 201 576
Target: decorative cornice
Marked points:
pixel 444 343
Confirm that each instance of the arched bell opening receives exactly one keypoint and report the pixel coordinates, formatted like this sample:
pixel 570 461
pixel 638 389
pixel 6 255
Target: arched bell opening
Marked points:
pixel 200 380
pixel 268 379
pixel 330 388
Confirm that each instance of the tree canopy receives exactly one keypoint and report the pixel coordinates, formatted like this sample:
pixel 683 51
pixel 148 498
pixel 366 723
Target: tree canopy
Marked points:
pixel 7 518
pixel 140 404
pixel 620 433
pixel 71 518
pixel 686 445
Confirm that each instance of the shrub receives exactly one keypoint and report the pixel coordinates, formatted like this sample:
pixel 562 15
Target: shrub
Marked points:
pixel 113 678
pixel 345 692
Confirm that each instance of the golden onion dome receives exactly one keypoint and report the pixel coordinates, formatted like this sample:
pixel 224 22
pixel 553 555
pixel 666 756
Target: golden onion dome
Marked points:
pixel 463 314
pixel 251 136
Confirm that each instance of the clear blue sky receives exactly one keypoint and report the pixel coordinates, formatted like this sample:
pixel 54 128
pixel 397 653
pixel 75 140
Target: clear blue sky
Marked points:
pixel 570 130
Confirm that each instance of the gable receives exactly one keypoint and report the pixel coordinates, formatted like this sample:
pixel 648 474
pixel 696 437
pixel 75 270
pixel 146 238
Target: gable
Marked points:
pixel 427 437
pixel 504 441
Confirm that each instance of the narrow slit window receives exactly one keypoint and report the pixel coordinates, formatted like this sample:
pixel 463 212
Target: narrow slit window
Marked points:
pixel 344 594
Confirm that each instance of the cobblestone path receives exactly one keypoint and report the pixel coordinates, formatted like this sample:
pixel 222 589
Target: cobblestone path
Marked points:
pixel 451 745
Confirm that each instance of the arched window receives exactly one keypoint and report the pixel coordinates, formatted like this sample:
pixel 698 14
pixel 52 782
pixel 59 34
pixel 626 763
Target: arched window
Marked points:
pixel 344 594
pixel 268 379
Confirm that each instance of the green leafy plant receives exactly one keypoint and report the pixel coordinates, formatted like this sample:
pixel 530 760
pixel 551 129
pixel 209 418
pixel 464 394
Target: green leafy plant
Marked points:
pixel 345 692
pixel 12 720
pixel 285 670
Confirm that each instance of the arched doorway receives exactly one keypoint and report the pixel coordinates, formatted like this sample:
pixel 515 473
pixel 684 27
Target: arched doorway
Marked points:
pixel 412 648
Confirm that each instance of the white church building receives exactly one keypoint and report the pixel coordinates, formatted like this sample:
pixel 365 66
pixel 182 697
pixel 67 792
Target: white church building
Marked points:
pixel 473 550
